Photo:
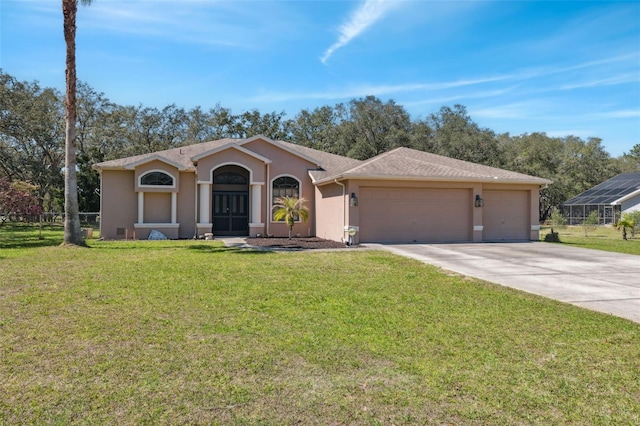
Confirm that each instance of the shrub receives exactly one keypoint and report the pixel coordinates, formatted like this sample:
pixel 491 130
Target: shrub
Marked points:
pixel 552 237
pixel 591 222
pixel 557 220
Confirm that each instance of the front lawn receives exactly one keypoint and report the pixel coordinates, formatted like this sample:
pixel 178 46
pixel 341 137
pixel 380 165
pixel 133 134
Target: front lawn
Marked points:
pixel 192 332
pixel 600 238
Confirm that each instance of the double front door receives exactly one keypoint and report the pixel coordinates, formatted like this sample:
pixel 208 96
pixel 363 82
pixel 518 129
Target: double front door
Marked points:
pixel 231 213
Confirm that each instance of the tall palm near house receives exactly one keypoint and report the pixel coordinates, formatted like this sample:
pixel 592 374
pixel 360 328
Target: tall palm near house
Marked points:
pixel 72 231
pixel 290 209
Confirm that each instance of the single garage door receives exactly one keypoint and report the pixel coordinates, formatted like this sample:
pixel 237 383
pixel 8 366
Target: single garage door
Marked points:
pixel 505 215
pixel 410 215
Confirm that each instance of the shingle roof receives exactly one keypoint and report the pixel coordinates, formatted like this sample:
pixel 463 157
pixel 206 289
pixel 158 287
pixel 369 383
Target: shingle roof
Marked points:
pixel 181 156
pixel 609 191
pixel 400 163
pixel 406 163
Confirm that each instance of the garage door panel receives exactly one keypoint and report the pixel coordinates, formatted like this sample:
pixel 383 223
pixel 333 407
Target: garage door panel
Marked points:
pixel 506 215
pixel 407 215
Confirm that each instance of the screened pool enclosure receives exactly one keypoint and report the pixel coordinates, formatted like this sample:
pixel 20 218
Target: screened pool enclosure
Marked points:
pixel 609 199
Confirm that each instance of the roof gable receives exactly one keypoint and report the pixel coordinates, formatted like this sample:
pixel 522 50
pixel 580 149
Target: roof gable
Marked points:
pixel 155 157
pixel 229 146
pixel 279 145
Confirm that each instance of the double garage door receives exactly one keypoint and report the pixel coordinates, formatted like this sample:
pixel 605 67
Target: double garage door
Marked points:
pixel 440 215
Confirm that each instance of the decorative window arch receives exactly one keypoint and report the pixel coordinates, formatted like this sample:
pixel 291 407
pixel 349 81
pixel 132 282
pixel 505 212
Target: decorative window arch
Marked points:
pixel 284 186
pixel 156 178
pixel 230 178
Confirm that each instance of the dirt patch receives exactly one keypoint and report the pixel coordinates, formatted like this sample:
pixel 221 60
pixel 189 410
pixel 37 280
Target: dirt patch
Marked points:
pixel 295 243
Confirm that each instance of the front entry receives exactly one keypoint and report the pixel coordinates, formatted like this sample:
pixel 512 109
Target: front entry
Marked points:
pixel 230 201
pixel 230 213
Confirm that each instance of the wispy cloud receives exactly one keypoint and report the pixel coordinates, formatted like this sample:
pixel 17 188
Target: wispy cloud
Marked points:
pixel 581 133
pixel 628 113
pixel 610 81
pixel 527 109
pixel 362 18
pixel 361 90
pixel 230 24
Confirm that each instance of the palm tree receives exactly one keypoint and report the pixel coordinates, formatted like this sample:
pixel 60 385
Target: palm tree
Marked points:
pixel 625 223
pixel 72 230
pixel 290 209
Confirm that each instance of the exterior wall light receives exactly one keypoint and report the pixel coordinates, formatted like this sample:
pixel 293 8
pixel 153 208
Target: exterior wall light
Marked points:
pixel 479 201
pixel 353 201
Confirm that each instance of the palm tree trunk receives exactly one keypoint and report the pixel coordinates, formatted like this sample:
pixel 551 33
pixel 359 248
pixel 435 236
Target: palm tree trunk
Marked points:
pixel 72 230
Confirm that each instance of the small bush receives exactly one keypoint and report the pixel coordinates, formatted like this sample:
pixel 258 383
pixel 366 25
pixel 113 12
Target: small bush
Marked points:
pixel 552 237
pixel 558 220
pixel 590 223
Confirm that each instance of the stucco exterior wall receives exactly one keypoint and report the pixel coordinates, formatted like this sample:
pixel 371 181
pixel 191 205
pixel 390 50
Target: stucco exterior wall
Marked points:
pixel 284 163
pixel 157 165
pixel 118 210
pixel 231 156
pixel 519 211
pixel 330 212
pixel 187 205
pixel 157 207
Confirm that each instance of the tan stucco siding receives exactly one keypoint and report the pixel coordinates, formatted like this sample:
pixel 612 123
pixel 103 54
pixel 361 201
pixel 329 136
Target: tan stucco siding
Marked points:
pixel 286 164
pixel 330 212
pixel 186 205
pixel 161 166
pixel 157 207
pixel 118 210
pixel 231 156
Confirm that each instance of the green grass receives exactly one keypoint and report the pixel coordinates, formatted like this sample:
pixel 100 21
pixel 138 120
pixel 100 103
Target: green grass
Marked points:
pixel 601 238
pixel 192 332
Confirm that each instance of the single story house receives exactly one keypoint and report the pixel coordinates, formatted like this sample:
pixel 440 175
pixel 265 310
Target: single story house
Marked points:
pixel 228 187
pixel 611 198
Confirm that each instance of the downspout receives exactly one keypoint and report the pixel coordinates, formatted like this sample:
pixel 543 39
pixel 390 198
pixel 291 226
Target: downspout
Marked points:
pixel 101 180
pixel 344 208
pixel 195 207
pixel 268 202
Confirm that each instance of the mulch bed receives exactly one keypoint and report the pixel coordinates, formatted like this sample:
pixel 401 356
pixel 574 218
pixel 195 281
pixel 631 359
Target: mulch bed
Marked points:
pixel 295 243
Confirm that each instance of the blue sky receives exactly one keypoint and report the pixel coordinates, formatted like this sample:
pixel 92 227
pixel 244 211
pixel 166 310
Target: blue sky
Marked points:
pixel 560 67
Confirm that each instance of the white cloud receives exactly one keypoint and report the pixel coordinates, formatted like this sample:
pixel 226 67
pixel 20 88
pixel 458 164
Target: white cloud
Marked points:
pixel 610 81
pixel 581 133
pixel 375 90
pixel 629 113
pixel 516 110
pixel 232 24
pixel 362 18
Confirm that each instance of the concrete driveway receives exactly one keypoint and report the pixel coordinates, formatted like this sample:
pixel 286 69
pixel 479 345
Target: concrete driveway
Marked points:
pixel 593 279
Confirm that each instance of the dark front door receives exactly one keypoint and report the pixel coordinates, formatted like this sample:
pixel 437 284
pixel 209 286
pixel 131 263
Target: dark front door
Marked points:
pixel 230 213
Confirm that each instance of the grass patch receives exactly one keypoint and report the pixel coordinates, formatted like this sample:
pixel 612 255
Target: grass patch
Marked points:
pixel 601 238
pixel 192 332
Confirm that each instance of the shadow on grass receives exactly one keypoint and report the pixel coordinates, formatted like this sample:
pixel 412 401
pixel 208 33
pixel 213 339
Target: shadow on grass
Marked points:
pixel 224 249
pixel 28 235
pixel 28 243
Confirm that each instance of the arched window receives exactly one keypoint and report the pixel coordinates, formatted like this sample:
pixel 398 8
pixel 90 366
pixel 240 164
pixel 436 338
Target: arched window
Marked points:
pixel 284 186
pixel 229 178
pixel 156 179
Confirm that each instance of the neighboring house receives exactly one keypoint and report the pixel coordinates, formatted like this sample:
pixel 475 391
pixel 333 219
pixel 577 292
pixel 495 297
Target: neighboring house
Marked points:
pixel 228 187
pixel 620 194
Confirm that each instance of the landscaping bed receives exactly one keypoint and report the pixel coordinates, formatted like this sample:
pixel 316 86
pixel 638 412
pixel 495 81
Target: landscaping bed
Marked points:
pixel 295 243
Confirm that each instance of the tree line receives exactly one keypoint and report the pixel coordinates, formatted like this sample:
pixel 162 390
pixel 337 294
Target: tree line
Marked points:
pixel 32 139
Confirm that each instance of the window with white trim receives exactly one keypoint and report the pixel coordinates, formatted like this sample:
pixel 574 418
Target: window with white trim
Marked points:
pixel 284 186
pixel 156 179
